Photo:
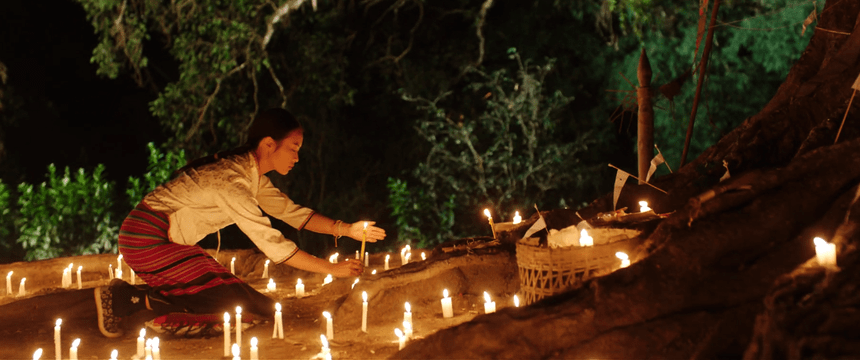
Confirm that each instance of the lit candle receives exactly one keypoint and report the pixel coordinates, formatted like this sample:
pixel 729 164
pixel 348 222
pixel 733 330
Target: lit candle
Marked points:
pixel 239 326
pixel 325 351
pixel 490 220
pixel 265 271
pixel 300 289
pixel 226 334
pixel 364 237
pixel 114 354
pixel 147 349
pixel 329 329
pixel 79 276
pixel 517 218
pixel 407 315
pixel 156 351
pixel 516 301
pixel 254 353
pixel 235 351
pixel 140 343
pixel 447 308
pixel 423 256
pixel 9 283
pixel 366 259
pixel 585 239
pixel 400 337
pixel 73 352
pixel 22 290
pixel 386 262
pixel 364 311
pixel 489 306
pixel 625 260
pixel 38 354
pixel 232 271
pixel 408 255
pixel 278 331
pixel 825 252
pixel 271 286
pixel 119 273
pixel 119 262
pixel 65 282
pixel 333 258
pixel 357 256
pixel 327 279
pixel 373 272
pixel 354 283
pixel 111 273
pixel 643 206
pixel 407 330
pixel 57 350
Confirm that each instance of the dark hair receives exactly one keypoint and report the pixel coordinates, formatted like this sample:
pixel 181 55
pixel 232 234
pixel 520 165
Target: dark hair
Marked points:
pixel 276 123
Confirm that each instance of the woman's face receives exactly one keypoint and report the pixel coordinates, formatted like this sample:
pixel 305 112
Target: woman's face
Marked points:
pixel 286 155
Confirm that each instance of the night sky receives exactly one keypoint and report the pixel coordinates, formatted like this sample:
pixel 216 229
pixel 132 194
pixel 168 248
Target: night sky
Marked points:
pixel 69 115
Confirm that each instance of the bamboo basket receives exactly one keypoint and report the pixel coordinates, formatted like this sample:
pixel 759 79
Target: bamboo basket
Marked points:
pixel 545 271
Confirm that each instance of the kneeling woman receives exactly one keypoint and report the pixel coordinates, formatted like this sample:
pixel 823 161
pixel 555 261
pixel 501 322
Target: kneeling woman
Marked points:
pixel 158 238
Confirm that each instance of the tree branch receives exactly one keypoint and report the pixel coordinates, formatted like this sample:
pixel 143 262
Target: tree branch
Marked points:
pixel 276 17
pixel 209 100
pixel 479 30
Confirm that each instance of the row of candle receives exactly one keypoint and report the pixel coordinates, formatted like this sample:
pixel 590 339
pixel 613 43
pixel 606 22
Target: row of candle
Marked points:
pixel 146 348
pixel 234 348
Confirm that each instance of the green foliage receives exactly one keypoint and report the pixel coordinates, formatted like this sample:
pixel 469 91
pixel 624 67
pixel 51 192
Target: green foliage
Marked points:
pixel 160 170
pixel 506 157
pixel 7 215
pixel 419 219
pixel 67 216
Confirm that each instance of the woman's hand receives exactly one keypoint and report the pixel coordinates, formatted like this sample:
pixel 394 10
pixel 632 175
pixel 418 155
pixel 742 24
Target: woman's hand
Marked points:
pixel 356 231
pixel 348 268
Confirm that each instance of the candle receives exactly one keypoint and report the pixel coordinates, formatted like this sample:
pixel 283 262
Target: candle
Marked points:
pixel 278 331
pixel 366 260
pixel 239 325
pixel 408 255
pixel 489 306
pixel 329 329
pixel 423 256
pixel 119 273
pixel 325 351
pixel 111 274
pixel 79 276
pixel 403 260
pixel 625 260
pixel 73 352
pixel 400 337
pixel 386 261
pixel 407 330
pixel 585 239
pixel 364 237
pixel 354 283
pixel 140 343
pixel 643 206
pixel 373 272
pixel 226 334
pixel 516 301
pixel 407 315
pixel 232 271
pixel 364 311
pixel 300 289
pixel 271 286
pixel 235 351
pixel 333 258
pixel 447 308
pixel 156 351
pixel 147 349
pixel 22 290
pixel 265 271
pixel 254 353
pixel 490 220
pixel 517 218
pixel 65 282
pixel 327 279
pixel 114 354
pixel 9 283
pixel 357 256
pixel 38 354
pixel 133 281
pixel 825 252
pixel 57 350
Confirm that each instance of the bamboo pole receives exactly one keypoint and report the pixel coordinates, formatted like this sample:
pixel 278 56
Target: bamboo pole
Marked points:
pixel 645 131
pixel 703 68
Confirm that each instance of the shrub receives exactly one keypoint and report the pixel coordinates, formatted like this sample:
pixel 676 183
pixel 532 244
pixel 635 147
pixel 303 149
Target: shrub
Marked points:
pixel 160 170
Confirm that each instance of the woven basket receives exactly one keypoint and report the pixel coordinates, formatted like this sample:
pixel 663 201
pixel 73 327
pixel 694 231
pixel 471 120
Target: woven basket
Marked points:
pixel 545 271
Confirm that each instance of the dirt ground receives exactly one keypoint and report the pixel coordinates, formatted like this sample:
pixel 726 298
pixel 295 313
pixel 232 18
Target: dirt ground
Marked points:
pixel 28 322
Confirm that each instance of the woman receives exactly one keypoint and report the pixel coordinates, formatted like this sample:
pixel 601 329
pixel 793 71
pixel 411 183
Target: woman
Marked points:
pixel 158 238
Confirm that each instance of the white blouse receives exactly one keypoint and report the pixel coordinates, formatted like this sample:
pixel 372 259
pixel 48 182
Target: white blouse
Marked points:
pixel 228 191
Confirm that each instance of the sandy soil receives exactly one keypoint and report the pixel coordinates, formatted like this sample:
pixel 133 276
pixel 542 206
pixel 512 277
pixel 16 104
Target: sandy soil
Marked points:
pixel 28 322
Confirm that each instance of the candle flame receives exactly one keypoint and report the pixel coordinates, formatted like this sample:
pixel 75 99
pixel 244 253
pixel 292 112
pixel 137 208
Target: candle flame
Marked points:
pixel 267 262
pixel 253 342
pixel 80 267
pixel 114 354
pixel 59 322
pixel 76 343
pixel 365 225
pixel 408 307
pixel 621 255
pixel 373 272
pixel 235 350
pixel 516 301
pixel 364 296
pixel 324 341
pixel 819 241
pixel 226 317
pixel 487 214
pixel 517 218
pixel 155 342
pixel 234 259
pixel 643 206
pixel 271 281
pixel 70 267
pixel 585 239
pixel 119 257
pixel 386 259
pixel 327 314
pixel 38 354
pixel 9 274
pixel 143 332
pixel 238 310
pixel 23 280
pixel 445 293
pixel 149 343
pixel 423 256
pixel 299 282
pixel 486 297
pixel 398 332
pixel 278 306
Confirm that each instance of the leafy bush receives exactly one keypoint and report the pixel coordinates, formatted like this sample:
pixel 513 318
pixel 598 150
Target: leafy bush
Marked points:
pixel 67 216
pixel 160 170
pixel 420 220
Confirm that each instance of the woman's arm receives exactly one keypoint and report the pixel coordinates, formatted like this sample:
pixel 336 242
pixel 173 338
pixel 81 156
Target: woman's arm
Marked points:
pixel 319 223
pixel 304 261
